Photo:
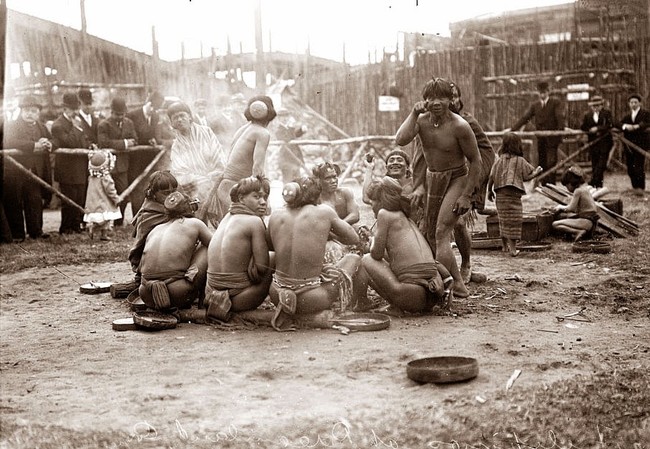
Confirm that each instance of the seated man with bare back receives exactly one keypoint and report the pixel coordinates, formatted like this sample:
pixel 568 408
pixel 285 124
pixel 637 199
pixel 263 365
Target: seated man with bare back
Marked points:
pixel 400 266
pixel 338 198
pixel 173 267
pixel 448 144
pixel 302 283
pixel 239 272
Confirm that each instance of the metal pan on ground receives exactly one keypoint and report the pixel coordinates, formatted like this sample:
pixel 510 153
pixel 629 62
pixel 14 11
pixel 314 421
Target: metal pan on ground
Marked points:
pixel 591 246
pixel 124 324
pixel 92 288
pixel 153 320
pixel 442 370
pixel 363 321
pixel 534 246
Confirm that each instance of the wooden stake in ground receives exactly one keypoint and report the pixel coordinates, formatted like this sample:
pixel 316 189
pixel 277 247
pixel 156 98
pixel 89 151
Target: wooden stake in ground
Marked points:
pixel 143 175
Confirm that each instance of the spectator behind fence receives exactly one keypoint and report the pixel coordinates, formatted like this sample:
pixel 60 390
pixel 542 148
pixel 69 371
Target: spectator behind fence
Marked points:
pixel 597 123
pixel 118 132
pixel 89 117
pixel 23 196
pixel 548 114
pixel 635 126
pixel 71 170
pixel 149 130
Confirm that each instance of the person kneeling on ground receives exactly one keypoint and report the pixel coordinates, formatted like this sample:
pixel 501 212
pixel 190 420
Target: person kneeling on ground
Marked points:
pixel 303 283
pixel 173 267
pixel 413 280
pixel 239 272
pixel 581 212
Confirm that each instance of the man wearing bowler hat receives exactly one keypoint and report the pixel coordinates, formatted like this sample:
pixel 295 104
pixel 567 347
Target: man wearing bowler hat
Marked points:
pixel 597 122
pixel 71 170
pixel 636 129
pixel 22 195
pixel 118 133
pixel 89 118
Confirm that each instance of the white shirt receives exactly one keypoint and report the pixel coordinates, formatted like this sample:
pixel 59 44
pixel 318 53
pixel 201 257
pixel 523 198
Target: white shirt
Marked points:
pixel 596 117
pixel 634 113
pixel 87 117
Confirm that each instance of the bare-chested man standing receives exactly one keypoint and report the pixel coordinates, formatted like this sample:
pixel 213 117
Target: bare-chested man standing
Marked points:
pixel 239 272
pixel 302 283
pixel 448 144
pixel 173 267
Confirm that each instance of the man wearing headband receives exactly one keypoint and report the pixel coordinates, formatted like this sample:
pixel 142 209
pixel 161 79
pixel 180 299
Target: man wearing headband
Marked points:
pixel 445 183
pixel 173 267
pixel 302 283
pixel 239 272
pixel 598 122
pixel 635 126
pixel 398 167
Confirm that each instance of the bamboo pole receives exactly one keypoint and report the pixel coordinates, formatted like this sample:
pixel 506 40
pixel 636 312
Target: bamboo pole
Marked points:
pixel 632 145
pixel 42 183
pixel 569 158
pixel 356 157
pixel 143 175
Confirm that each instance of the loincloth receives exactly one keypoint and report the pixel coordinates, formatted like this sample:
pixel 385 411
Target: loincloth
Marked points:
pixel 156 285
pixel 219 289
pixel 437 184
pixel 591 216
pixel 289 288
pixel 426 275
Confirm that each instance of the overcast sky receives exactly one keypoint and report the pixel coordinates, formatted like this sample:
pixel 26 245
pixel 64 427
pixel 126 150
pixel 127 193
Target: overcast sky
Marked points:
pixel 363 25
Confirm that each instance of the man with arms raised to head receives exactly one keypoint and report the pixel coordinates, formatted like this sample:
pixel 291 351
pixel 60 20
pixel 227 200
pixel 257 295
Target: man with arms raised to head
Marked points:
pixel 173 267
pixel 409 278
pixel 448 143
pixel 239 272
pixel 302 283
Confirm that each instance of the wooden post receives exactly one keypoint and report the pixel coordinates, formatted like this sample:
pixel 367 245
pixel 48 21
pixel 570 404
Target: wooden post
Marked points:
pixel 260 69
pixel 156 60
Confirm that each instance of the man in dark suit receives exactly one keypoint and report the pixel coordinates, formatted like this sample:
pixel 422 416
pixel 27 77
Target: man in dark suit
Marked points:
pixel 548 114
pixel 22 196
pixel 636 127
pixel 118 132
pixel 71 170
pixel 148 128
pixel 596 123
pixel 89 118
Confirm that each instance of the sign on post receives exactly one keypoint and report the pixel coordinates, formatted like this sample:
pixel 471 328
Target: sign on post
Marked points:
pixel 387 103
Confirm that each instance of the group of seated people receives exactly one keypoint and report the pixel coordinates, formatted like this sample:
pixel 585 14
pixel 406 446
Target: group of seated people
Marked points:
pixel 286 254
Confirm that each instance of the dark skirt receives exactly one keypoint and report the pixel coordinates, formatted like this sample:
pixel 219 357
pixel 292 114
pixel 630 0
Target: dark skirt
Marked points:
pixel 510 211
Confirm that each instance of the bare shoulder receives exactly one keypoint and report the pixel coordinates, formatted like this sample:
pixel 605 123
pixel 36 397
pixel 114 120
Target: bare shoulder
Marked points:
pixel 387 216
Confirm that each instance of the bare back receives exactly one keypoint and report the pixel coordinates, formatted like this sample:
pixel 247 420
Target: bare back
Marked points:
pixel 170 246
pixel 248 153
pixel 446 146
pixel 299 237
pixel 401 239
pixel 237 239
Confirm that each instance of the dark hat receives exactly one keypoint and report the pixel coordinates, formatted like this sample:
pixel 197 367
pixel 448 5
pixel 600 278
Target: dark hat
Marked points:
pixel 637 96
pixel 86 96
pixel 30 101
pixel 596 100
pixel 542 86
pixel 71 101
pixel 177 107
pixel 118 105
pixel 156 98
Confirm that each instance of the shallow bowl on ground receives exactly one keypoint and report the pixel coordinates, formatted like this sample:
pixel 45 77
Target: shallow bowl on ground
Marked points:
pixel 363 321
pixel 591 246
pixel 154 320
pixel 445 369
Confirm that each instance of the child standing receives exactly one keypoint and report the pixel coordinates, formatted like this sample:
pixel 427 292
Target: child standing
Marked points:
pixel 101 196
pixel 583 211
pixel 507 182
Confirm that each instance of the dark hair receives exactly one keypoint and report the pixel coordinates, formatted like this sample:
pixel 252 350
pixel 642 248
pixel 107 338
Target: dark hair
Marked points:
pixel 573 176
pixel 248 185
pixel 302 191
pixel 388 192
pixel 437 87
pixel 511 145
pixel 398 152
pixel 321 169
pixel 157 99
pixel 178 205
pixel 270 113
pixel 452 106
pixel 159 181
pixel 542 86
pixel 177 107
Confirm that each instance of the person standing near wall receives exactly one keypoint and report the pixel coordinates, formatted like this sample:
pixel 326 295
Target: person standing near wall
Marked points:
pixel 635 127
pixel 548 114
pixel 597 123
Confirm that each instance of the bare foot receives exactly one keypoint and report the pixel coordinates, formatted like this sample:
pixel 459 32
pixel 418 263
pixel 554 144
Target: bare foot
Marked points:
pixel 514 252
pixel 460 291
pixel 580 235
pixel 282 321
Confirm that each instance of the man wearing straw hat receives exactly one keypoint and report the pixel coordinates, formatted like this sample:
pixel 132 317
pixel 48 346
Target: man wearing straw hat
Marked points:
pixel 597 123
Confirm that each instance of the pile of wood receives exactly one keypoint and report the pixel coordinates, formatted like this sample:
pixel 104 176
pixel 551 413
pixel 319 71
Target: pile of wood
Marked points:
pixel 610 221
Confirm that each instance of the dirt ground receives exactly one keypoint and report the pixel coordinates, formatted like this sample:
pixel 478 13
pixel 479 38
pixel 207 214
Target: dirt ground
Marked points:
pixel 62 365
